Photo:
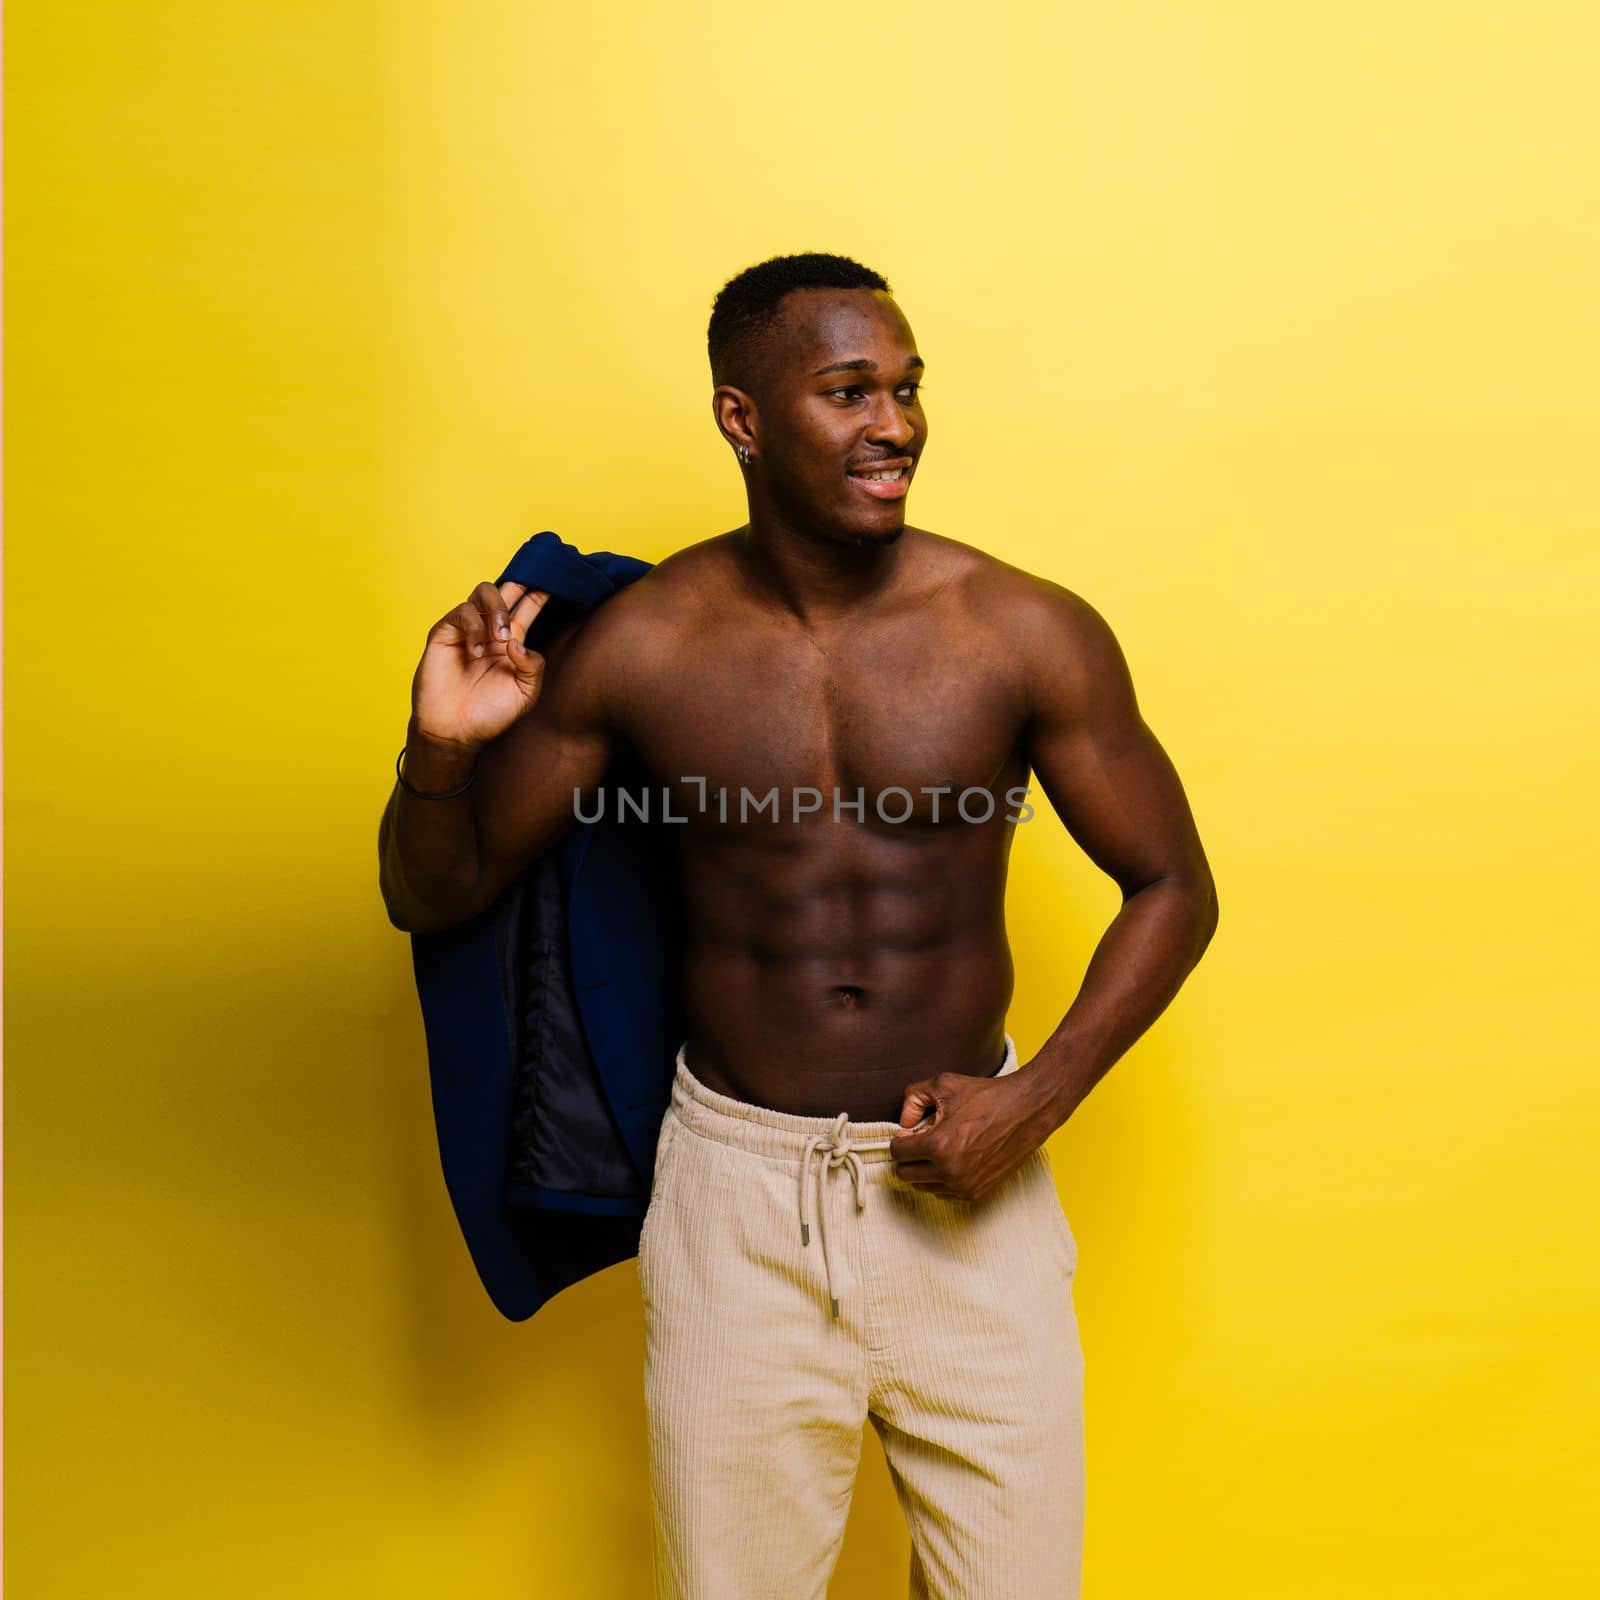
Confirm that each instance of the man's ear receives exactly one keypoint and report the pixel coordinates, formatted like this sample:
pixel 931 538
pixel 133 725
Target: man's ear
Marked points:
pixel 736 415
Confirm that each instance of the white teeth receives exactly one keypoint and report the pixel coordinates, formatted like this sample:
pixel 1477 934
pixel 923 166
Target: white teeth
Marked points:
pixel 883 477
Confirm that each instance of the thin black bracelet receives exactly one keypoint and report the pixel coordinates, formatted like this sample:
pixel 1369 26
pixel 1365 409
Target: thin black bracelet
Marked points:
pixel 422 794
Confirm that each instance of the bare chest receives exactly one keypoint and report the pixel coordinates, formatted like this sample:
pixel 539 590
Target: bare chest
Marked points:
pixel 912 706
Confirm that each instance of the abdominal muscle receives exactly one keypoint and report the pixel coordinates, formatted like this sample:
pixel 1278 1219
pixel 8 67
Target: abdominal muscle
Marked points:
pixel 825 970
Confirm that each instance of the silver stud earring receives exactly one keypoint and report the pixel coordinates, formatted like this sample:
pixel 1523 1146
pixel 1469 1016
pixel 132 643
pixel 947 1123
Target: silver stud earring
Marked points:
pixel 744 455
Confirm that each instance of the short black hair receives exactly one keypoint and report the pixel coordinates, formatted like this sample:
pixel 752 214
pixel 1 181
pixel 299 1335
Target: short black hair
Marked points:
pixel 747 306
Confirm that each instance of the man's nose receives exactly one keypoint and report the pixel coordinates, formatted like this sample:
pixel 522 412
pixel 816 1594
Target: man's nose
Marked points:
pixel 890 424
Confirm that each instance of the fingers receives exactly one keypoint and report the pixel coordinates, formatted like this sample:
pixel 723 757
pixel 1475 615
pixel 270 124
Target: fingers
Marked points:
pixel 918 1105
pixel 525 604
pixel 467 620
pixel 497 614
pixel 919 1158
pixel 527 664
pixel 492 617
pixel 506 610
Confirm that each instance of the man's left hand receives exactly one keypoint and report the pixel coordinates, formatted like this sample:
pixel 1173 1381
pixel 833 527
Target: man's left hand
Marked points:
pixel 980 1132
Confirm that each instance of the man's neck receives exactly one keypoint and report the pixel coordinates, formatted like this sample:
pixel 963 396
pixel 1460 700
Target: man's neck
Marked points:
pixel 812 577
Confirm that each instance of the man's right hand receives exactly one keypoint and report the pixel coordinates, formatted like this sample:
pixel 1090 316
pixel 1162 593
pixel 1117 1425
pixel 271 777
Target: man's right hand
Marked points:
pixel 477 676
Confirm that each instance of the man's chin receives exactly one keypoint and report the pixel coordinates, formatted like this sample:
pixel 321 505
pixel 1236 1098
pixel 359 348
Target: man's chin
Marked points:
pixel 871 538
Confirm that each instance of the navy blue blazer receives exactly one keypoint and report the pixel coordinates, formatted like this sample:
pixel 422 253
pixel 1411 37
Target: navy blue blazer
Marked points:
pixel 553 1018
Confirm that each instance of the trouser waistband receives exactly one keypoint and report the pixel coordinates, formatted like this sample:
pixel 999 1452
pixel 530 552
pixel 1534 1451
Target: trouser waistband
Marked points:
pixel 833 1141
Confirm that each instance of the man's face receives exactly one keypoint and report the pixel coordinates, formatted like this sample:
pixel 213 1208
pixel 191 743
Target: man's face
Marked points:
pixel 842 400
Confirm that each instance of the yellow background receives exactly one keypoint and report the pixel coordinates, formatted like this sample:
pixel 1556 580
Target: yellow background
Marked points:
pixel 1269 329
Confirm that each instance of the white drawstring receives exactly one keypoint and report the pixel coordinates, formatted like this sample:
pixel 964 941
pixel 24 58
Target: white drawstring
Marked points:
pixel 837 1149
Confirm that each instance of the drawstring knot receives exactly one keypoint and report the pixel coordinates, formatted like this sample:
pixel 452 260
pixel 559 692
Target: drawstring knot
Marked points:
pixel 837 1149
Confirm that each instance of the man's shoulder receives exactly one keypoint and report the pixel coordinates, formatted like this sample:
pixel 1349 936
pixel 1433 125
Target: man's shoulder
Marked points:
pixel 630 630
pixel 1061 647
pixel 683 580
pixel 693 586
pixel 1009 597
pixel 691 577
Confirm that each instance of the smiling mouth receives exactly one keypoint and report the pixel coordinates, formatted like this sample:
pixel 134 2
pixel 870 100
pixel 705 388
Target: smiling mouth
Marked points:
pixel 884 483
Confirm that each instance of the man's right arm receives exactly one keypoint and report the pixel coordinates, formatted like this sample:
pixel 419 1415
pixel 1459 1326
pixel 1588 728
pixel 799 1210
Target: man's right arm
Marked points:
pixel 441 862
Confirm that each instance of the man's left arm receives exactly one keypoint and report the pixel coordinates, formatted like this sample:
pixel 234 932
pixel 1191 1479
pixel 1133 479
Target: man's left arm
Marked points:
pixel 1119 796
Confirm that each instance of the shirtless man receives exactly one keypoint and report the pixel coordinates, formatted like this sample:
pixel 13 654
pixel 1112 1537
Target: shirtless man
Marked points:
pixel 846 974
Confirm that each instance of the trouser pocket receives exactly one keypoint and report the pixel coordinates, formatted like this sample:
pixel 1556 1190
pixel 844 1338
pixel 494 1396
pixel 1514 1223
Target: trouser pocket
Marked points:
pixel 1055 1217
pixel 667 1141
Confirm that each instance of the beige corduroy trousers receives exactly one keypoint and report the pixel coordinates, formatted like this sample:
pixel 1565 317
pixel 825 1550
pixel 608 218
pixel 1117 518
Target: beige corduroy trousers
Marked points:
pixel 795 1287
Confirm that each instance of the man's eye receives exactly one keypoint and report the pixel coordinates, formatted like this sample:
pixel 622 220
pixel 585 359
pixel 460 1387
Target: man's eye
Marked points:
pixel 915 388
